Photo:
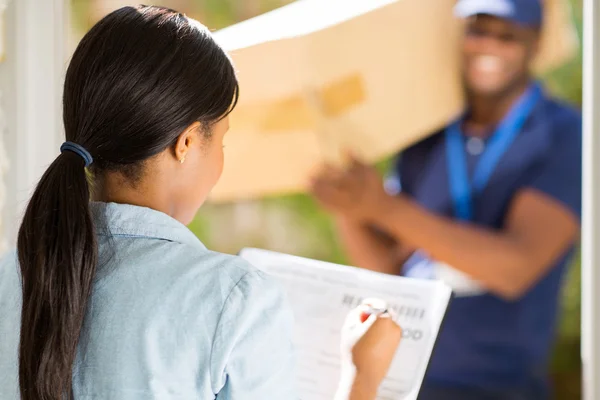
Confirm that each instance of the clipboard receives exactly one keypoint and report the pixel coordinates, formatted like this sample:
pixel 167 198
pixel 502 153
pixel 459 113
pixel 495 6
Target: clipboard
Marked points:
pixel 321 294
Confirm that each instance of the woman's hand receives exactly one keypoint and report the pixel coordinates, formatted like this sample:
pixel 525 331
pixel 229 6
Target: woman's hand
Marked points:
pixel 370 339
pixel 373 355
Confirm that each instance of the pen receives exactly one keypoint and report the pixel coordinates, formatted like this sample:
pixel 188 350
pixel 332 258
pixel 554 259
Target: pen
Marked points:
pixel 372 310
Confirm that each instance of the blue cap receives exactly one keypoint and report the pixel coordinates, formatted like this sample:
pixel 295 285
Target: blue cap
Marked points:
pixel 523 12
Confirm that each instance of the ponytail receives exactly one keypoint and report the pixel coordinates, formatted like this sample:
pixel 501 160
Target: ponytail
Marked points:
pixel 125 101
pixel 57 252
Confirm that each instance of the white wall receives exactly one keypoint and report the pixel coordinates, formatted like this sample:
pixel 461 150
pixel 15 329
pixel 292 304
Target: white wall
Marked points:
pixel 8 106
pixel 31 80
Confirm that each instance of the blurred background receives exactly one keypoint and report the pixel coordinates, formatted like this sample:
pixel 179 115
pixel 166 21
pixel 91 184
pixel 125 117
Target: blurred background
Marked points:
pixel 294 224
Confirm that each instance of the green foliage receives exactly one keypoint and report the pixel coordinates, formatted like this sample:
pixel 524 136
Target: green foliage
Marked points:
pixel 566 82
pixel 309 212
pixel 220 13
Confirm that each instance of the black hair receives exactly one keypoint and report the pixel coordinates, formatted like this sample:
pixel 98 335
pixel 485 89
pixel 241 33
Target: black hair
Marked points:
pixel 136 81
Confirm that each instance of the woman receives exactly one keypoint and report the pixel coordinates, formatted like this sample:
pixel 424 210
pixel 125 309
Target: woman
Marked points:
pixel 117 298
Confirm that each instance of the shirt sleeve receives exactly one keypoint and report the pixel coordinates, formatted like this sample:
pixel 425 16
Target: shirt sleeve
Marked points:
pixel 392 180
pixel 558 175
pixel 407 166
pixel 253 355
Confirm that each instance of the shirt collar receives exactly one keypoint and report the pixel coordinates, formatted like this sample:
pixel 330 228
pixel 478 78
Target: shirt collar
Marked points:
pixel 534 84
pixel 114 219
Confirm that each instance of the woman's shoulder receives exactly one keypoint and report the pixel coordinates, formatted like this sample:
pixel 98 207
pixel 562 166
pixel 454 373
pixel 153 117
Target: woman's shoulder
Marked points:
pixel 232 283
pixel 227 267
pixel 224 278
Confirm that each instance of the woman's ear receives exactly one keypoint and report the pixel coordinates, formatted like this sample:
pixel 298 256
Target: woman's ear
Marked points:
pixel 186 140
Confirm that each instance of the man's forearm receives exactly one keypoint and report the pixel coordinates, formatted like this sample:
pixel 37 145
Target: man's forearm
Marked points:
pixel 490 257
pixel 366 248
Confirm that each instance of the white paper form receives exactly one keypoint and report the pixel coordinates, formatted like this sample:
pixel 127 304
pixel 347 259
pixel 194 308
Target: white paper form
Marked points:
pixel 321 295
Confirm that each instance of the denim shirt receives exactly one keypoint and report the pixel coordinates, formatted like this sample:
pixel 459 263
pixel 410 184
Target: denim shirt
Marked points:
pixel 167 318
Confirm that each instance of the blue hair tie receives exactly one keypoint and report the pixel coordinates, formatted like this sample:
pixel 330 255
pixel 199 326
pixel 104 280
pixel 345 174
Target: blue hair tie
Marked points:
pixel 79 150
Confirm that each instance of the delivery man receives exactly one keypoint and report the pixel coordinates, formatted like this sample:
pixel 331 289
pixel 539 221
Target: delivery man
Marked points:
pixel 491 204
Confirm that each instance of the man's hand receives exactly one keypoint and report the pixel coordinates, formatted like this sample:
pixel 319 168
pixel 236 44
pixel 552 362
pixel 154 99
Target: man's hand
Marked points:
pixel 355 192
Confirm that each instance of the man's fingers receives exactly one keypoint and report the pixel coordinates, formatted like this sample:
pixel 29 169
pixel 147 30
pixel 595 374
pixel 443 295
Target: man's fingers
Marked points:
pixel 353 158
pixel 329 173
pixel 327 193
pixel 347 179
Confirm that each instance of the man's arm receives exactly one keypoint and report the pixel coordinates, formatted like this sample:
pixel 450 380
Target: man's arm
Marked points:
pixel 371 249
pixel 538 231
pixel 367 246
pixel 541 223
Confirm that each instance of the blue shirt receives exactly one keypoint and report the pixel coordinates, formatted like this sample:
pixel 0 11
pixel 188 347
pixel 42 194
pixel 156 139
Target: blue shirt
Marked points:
pixel 168 319
pixel 487 341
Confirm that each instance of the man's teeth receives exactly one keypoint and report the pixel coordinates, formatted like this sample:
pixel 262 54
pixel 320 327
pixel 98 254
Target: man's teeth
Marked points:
pixel 488 63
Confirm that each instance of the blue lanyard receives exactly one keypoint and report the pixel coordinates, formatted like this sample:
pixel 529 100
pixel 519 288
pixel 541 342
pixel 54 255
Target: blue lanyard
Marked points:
pixel 460 188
